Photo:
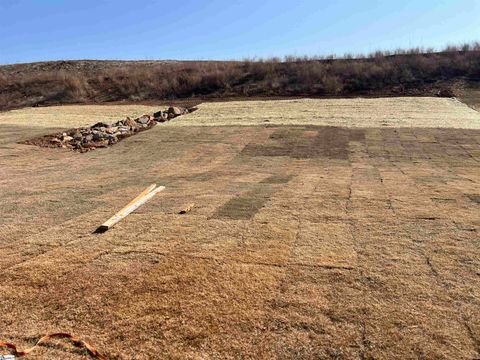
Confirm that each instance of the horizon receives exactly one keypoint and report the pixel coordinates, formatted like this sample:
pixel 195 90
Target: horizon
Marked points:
pixel 121 31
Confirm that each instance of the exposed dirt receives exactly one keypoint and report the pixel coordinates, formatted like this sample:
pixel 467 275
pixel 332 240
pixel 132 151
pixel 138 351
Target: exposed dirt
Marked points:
pixel 469 93
pixel 306 242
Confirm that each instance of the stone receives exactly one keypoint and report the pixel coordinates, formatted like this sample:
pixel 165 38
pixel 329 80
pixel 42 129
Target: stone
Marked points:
pixel 123 129
pixel 102 143
pixel 175 110
pixel 144 119
pixel 112 139
pixel 98 135
pixel 99 125
pixel 130 123
pixel 101 134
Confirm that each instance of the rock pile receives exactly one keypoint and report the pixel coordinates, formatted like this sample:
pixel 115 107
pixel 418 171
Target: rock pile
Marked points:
pixel 103 135
pixel 171 112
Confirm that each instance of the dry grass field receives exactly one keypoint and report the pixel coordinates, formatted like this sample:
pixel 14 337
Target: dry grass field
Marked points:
pixel 360 112
pixel 306 242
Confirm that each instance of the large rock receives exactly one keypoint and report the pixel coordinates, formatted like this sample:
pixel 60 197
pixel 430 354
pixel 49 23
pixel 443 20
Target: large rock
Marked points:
pixel 112 139
pixel 102 134
pixel 77 135
pixel 98 135
pixel 99 125
pixel 123 129
pixel 144 119
pixel 174 110
pixel 129 122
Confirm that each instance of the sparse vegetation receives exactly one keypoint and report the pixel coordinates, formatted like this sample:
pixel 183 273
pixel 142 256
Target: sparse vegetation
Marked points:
pixel 403 72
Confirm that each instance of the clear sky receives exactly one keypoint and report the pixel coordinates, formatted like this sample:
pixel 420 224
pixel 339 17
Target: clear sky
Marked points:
pixel 37 30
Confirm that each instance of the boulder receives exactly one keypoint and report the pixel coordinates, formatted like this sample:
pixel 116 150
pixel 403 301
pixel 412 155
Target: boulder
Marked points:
pixel 129 122
pixel 144 119
pixel 98 135
pixel 102 143
pixel 77 135
pixel 123 129
pixel 102 134
pixel 112 139
pixel 99 125
pixel 175 110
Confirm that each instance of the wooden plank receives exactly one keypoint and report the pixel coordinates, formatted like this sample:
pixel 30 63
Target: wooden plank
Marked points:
pixel 141 199
pixel 142 194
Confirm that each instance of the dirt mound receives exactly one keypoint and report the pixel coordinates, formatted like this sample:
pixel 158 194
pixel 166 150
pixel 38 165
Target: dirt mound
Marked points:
pixel 102 135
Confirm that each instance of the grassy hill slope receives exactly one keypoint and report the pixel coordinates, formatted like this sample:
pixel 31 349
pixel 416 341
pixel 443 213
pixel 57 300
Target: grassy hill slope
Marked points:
pixel 410 73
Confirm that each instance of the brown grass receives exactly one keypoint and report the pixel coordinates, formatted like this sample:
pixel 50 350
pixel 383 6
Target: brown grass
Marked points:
pixel 359 112
pixel 410 72
pixel 371 254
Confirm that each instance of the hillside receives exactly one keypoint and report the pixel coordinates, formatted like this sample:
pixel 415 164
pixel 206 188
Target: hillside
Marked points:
pixel 405 73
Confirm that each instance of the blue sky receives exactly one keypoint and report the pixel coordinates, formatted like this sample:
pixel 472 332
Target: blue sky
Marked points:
pixel 36 30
